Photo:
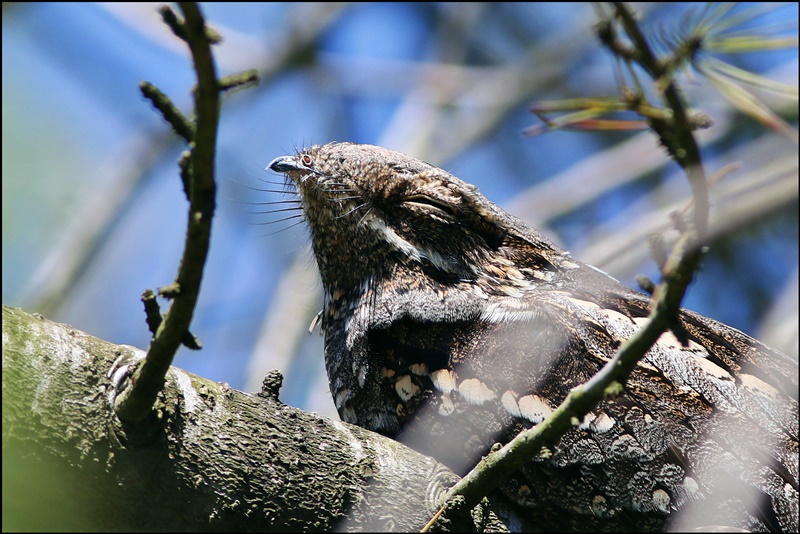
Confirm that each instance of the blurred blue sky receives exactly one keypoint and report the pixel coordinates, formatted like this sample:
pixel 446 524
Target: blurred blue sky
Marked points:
pixel 89 169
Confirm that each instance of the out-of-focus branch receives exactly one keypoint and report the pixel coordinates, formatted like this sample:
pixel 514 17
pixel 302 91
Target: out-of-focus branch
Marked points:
pixel 124 170
pixel 765 186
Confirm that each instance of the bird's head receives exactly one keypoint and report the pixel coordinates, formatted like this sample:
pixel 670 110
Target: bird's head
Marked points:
pixel 375 212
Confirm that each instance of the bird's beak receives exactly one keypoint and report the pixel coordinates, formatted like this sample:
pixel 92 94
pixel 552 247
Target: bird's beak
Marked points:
pixel 284 164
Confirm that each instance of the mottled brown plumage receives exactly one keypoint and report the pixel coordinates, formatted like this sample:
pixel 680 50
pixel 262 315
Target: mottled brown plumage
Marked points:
pixel 451 325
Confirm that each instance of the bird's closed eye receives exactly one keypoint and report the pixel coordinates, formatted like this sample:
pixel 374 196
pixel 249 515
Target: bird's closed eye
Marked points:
pixel 427 202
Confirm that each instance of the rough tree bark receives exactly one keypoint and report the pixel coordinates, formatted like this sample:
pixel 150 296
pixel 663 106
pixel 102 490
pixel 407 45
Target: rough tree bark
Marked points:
pixel 208 458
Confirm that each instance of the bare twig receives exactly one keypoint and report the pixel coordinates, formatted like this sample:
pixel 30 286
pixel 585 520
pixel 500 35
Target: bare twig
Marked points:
pixel 169 111
pixel 135 402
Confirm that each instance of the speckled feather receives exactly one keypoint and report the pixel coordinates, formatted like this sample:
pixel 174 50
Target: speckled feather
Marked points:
pixel 450 325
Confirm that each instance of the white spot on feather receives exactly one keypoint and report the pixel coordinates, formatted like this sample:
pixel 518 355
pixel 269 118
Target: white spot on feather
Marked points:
pixel 514 273
pixel 711 368
pixel 661 500
pixel 509 401
pixel 391 237
pixel 414 252
pixel 590 308
pixel 586 422
pixel 406 388
pixel 475 392
pixel 602 423
pixel 614 315
pixel 502 313
pixel 510 291
pixel 668 340
pixel 444 380
pixel 419 369
pixel 534 408
pixel 752 382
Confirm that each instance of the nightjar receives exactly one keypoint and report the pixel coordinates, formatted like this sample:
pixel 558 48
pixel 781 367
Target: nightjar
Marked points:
pixel 451 325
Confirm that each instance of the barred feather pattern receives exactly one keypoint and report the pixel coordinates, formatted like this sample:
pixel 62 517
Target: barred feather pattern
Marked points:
pixel 451 325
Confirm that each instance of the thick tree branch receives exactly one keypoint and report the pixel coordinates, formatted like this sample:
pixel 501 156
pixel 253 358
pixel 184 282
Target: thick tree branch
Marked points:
pixel 208 458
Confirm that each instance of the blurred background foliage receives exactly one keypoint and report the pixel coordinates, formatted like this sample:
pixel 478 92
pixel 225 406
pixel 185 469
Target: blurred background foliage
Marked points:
pixel 93 212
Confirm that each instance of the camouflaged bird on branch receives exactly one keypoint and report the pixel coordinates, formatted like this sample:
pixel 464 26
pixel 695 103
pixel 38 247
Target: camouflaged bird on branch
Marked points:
pixel 450 325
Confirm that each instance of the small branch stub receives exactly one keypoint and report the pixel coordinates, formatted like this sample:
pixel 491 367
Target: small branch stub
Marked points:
pixel 152 311
pixel 271 385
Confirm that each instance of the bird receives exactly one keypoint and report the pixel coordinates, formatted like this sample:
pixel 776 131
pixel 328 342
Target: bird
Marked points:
pixel 450 325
